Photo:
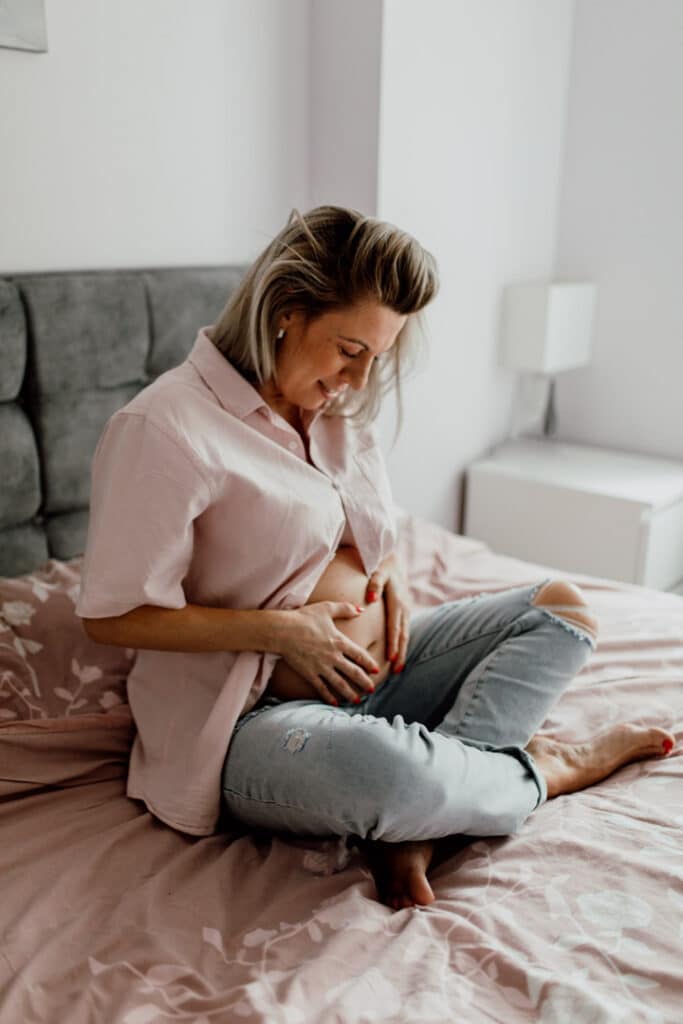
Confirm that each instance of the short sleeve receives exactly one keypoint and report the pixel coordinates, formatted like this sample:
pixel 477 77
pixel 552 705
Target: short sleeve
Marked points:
pixel 146 492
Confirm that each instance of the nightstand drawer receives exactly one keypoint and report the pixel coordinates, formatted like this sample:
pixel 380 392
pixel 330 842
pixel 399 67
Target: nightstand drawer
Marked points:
pixel 662 552
pixel 574 530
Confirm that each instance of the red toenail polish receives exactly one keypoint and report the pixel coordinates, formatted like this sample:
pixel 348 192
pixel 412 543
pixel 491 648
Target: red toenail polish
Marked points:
pixel 667 745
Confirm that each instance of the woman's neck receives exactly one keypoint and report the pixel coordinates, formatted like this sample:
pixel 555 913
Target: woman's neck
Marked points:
pixel 281 406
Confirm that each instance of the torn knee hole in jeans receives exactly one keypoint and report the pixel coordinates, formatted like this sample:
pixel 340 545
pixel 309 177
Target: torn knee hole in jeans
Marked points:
pixel 295 740
pixel 572 615
pixel 572 623
pixel 581 634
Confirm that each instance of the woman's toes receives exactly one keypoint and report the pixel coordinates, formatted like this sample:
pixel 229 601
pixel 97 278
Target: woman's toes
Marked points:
pixel 664 739
pixel 399 871
pixel 420 889
pixel 666 747
pixel 654 740
pixel 414 893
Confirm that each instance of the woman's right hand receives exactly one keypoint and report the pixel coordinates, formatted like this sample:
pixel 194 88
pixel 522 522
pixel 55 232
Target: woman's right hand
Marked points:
pixel 313 646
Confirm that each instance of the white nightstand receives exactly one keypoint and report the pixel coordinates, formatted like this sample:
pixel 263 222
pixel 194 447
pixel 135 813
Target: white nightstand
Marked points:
pixel 581 509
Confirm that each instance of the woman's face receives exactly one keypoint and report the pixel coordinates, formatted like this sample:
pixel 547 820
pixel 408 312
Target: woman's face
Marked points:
pixel 335 351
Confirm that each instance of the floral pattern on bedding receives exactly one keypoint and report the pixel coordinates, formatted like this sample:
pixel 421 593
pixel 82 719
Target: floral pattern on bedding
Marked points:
pixel 473 954
pixel 49 666
pixel 577 919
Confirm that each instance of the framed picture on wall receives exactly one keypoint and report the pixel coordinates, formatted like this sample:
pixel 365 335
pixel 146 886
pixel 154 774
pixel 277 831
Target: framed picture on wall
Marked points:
pixel 22 25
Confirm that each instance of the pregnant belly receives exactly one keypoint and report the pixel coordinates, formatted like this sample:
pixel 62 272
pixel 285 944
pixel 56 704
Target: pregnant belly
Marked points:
pixel 343 580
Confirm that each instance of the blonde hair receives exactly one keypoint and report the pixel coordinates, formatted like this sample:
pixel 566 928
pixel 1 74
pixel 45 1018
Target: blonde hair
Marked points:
pixel 330 258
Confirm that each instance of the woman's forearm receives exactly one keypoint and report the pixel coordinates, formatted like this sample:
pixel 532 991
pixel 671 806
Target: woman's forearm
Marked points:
pixel 192 628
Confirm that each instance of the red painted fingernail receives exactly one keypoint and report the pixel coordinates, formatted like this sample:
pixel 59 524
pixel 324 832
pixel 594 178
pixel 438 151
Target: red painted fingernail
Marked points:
pixel 668 745
pixel 335 702
pixel 359 609
pixel 374 671
pixel 398 668
pixel 372 596
pixel 393 657
pixel 356 700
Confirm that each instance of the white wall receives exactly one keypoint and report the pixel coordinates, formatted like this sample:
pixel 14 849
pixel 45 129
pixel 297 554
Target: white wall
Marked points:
pixel 180 132
pixel 162 133
pixel 621 224
pixel 346 42
pixel 473 108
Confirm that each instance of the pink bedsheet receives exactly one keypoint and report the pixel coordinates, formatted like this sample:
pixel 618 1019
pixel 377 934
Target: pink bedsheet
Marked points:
pixel 108 915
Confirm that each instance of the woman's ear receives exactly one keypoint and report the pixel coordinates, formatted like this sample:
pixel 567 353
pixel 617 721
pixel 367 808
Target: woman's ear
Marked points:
pixel 293 318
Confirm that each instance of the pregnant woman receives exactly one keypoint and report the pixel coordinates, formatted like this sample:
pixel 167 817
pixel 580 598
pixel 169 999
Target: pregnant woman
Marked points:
pixel 242 539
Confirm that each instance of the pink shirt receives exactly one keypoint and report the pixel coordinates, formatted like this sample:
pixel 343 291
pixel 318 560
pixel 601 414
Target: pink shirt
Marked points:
pixel 202 494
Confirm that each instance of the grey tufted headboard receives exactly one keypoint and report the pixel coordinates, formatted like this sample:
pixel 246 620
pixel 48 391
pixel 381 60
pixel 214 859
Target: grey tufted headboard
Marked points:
pixel 74 347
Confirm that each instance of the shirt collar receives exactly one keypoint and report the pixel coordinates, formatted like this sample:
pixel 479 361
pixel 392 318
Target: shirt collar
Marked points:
pixel 232 390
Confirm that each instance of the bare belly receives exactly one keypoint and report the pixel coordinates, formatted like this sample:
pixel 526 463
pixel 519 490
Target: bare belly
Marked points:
pixel 343 580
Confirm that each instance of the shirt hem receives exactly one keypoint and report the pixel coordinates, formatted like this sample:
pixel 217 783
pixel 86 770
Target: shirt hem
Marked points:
pixel 169 819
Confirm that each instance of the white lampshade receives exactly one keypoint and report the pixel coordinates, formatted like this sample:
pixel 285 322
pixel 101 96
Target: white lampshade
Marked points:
pixel 547 328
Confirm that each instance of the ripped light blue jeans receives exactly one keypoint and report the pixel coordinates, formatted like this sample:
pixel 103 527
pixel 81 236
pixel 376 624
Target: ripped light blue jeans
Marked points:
pixel 436 750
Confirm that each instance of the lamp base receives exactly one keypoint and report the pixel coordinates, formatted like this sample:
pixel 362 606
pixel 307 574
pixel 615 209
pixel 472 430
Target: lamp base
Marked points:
pixel 550 419
pixel 534 407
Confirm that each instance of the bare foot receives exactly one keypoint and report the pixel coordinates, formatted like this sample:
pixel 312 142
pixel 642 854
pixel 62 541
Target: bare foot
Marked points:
pixel 568 767
pixel 400 871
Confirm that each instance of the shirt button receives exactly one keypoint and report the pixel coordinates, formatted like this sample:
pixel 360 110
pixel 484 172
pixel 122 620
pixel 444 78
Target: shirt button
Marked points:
pixel 292 446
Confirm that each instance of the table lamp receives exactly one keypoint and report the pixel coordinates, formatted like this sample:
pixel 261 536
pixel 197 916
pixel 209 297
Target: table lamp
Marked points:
pixel 548 328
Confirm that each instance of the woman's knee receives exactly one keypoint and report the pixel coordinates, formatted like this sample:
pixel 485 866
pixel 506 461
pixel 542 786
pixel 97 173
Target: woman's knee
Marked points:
pixel 567 601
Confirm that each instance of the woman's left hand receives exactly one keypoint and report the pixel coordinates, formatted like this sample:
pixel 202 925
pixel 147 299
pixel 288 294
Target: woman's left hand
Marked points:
pixel 389 582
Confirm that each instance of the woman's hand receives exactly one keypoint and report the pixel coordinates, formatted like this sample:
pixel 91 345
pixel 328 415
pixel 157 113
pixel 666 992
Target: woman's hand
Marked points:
pixel 322 654
pixel 389 582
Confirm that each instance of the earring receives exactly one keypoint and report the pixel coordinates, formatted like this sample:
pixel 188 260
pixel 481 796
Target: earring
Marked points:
pixel 281 334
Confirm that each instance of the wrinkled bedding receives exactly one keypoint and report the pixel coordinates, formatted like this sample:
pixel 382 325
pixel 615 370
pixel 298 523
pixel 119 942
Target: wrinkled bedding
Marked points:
pixel 109 915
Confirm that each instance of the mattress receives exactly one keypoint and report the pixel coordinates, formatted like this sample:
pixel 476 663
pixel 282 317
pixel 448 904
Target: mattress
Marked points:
pixel 109 915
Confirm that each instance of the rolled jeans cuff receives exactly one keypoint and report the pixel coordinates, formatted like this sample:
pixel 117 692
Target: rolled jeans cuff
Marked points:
pixel 522 755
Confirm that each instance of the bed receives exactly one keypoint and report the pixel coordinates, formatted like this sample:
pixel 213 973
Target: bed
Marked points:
pixel 109 915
